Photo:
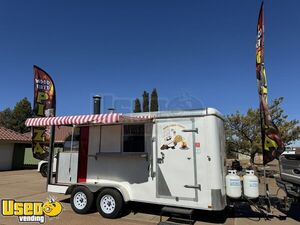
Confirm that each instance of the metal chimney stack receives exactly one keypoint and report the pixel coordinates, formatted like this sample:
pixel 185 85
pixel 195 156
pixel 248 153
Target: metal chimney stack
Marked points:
pixel 97 104
pixel 111 110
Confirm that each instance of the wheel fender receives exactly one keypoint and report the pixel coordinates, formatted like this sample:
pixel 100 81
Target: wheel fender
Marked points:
pixel 123 191
pixel 97 187
pixel 70 189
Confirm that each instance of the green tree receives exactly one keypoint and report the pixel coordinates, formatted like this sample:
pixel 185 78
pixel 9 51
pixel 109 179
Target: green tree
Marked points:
pixel 21 112
pixel 243 132
pixel 15 119
pixel 137 106
pixel 154 101
pixel 6 118
pixel 145 101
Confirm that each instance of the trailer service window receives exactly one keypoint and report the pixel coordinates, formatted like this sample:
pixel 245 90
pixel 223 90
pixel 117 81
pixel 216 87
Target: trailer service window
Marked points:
pixel 134 138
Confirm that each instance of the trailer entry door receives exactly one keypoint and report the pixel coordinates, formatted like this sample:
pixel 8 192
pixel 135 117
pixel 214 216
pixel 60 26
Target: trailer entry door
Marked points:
pixel 176 175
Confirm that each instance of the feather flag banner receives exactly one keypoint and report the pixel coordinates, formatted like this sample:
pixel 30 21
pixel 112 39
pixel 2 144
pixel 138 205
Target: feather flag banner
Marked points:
pixel 44 106
pixel 273 145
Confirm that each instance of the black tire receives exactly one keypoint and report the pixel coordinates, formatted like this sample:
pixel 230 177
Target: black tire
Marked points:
pixel 110 203
pixel 82 200
pixel 44 170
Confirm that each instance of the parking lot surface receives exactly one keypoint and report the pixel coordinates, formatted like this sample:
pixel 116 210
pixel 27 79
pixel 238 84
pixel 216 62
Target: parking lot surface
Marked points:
pixel 29 185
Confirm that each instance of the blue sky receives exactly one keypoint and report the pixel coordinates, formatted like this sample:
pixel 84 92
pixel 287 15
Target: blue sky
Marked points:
pixel 204 50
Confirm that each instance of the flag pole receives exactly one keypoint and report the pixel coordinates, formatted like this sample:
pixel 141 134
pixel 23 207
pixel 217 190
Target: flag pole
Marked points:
pixel 262 90
pixel 262 146
pixel 266 180
pixel 51 155
pixel 262 128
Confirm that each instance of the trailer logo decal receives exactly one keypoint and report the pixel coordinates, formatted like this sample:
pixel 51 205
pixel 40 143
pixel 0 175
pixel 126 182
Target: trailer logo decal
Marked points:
pixel 31 211
pixel 173 138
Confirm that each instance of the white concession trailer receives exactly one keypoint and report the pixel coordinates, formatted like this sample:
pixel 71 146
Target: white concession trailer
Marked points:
pixel 174 158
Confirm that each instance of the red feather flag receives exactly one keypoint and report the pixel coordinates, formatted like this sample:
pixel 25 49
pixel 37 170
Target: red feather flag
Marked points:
pixel 273 145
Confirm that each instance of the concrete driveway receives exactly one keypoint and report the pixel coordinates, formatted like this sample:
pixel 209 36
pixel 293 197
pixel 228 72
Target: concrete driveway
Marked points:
pixel 29 185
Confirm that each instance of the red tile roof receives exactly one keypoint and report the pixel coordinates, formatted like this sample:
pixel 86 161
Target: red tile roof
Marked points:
pixel 7 135
pixel 61 133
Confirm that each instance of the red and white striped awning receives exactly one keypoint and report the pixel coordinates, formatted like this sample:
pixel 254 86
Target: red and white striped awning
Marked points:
pixel 83 119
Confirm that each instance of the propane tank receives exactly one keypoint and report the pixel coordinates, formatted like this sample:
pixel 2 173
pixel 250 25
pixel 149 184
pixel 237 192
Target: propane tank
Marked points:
pixel 250 184
pixel 233 185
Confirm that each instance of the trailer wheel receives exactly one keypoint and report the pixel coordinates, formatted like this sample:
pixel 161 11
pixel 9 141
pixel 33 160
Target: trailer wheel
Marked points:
pixel 110 203
pixel 44 170
pixel 81 200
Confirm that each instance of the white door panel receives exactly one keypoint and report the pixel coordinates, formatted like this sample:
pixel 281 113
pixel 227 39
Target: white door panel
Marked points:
pixel 175 158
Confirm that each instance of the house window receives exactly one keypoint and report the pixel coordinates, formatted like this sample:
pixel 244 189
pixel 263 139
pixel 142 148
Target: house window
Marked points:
pixel 134 138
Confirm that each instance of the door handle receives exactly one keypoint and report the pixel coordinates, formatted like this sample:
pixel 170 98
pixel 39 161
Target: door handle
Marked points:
pixel 190 130
pixel 193 186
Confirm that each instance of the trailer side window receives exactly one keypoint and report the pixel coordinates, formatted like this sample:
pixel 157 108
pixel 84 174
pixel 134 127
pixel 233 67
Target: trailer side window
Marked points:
pixel 134 138
pixel 110 139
